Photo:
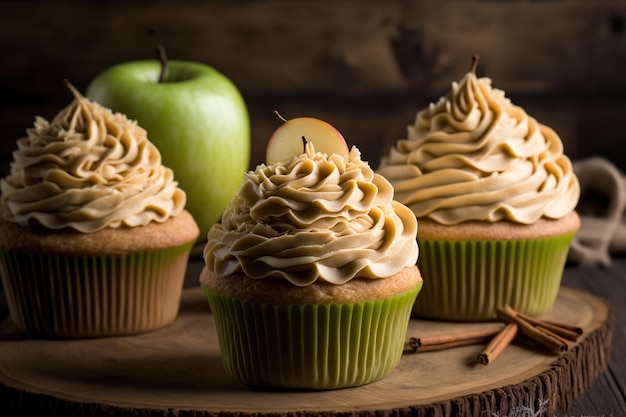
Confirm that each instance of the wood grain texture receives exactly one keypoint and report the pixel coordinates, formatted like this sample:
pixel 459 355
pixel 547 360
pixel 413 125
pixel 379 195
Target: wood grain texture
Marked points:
pixel 338 48
pixel 366 66
pixel 178 369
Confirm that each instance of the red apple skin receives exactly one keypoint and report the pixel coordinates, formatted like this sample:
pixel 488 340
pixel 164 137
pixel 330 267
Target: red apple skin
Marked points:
pixel 197 119
pixel 286 141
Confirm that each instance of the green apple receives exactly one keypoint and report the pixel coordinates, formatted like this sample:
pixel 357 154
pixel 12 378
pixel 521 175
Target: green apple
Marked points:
pixel 196 117
pixel 287 140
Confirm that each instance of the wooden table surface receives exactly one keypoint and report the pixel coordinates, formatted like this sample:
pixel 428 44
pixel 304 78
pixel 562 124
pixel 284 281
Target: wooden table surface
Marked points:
pixel 607 395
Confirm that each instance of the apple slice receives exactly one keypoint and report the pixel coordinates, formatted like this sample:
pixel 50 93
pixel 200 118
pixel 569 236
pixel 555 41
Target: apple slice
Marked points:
pixel 287 141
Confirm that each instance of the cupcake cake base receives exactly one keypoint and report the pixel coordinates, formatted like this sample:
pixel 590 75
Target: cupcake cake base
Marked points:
pixel 109 283
pixel 473 268
pixel 273 334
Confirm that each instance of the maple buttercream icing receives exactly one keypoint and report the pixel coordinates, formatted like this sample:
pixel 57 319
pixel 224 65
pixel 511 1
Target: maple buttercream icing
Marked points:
pixel 474 155
pixel 87 170
pixel 317 217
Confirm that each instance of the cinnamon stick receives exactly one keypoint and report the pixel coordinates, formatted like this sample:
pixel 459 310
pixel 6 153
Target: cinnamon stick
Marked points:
pixel 556 337
pixel 564 330
pixel 470 337
pixel 542 336
pixel 498 343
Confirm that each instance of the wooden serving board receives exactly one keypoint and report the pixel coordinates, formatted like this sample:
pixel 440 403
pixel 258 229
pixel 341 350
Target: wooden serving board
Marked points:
pixel 177 371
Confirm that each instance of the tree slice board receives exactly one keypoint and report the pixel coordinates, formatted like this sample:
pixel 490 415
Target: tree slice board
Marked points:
pixel 177 371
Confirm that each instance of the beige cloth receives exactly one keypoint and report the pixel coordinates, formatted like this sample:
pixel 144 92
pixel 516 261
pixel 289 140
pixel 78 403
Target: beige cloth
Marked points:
pixel 602 209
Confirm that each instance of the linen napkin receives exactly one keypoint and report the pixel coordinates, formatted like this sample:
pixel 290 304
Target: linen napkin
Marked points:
pixel 601 209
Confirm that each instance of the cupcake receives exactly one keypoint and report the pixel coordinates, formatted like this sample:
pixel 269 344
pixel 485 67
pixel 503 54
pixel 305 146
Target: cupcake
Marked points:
pixel 495 197
pixel 94 238
pixel 311 273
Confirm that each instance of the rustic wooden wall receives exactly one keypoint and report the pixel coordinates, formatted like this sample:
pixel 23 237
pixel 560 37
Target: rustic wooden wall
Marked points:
pixel 366 66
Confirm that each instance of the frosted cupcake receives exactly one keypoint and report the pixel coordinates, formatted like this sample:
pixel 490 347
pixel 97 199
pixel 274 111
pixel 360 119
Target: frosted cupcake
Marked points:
pixel 94 238
pixel 311 273
pixel 495 197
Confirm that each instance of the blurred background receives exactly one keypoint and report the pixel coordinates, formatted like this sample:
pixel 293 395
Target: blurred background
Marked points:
pixel 366 67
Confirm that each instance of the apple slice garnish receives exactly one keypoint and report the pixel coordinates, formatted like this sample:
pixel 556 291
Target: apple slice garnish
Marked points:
pixel 287 141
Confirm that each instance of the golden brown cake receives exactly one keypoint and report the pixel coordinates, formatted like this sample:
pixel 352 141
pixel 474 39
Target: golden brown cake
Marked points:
pixel 502 230
pixel 279 291
pixel 495 196
pixel 175 231
pixel 94 238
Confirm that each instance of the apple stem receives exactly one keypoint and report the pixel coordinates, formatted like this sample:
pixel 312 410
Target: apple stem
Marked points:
pixel 279 117
pixel 304 142
pixel 160 50
pixel 475 59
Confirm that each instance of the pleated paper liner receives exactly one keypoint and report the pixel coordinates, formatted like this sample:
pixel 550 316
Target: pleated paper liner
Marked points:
pixel 93 296
pixel 468 280
pixel 311 346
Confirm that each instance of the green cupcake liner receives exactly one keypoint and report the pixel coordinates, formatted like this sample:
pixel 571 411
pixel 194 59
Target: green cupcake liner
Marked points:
pixel 311 346
pixel 93 296
pixel 468 280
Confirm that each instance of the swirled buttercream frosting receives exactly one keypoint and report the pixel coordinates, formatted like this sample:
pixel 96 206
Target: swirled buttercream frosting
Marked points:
pixel 87 170
pixel 317 217
pixel 473 155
